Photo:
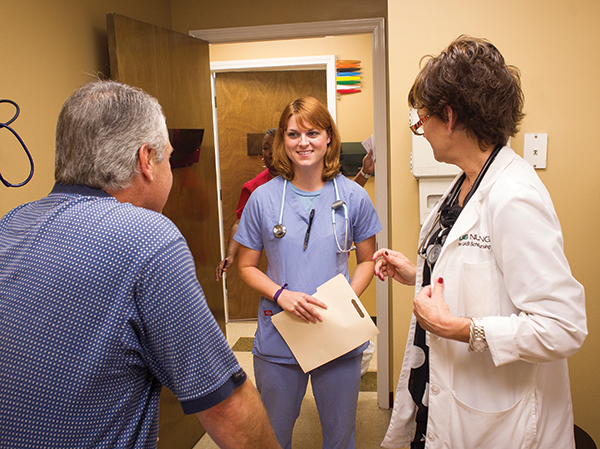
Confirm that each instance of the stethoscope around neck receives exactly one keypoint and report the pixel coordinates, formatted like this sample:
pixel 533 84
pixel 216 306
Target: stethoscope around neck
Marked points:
pixel 431 245
pixel 279 230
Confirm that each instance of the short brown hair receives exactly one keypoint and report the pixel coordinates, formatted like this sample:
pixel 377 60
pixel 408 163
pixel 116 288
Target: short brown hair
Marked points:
pixel 483 91
pixel 309 113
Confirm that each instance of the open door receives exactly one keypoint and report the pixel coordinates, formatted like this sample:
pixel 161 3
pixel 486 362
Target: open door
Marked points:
pixel 252 102
pixel 175 68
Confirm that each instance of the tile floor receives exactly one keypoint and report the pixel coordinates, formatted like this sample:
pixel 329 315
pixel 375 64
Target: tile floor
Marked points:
pixel 371 421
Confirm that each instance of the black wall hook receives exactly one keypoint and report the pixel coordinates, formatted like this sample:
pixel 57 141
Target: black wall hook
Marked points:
pixel 6 125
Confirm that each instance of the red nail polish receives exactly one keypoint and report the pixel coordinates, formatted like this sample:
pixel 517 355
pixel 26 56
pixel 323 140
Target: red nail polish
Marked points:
pixel 440 280
pixel 387 254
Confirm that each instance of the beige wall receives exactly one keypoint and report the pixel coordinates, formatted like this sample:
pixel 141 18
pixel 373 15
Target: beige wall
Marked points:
pixel 555 44
pixel 48 50
pixel 354 111
pixel 202 15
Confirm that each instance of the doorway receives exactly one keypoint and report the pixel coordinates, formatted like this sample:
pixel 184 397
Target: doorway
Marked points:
pixel 250 97
pixel 376 29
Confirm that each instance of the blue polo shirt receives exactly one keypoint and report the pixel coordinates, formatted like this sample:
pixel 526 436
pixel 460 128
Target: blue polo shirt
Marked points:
pixel 100 307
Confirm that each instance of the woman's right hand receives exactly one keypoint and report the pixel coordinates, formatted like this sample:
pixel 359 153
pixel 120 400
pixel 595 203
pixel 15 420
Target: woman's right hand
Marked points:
pixel 301 305
pixel 393 264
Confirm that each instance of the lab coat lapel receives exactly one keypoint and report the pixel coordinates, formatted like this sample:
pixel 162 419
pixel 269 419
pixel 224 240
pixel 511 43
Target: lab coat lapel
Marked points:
pixel 467 219
pixel 470 214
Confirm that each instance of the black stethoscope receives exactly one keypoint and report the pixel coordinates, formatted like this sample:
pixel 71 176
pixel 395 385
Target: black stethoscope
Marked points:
pixel 431 246
pixel 279 230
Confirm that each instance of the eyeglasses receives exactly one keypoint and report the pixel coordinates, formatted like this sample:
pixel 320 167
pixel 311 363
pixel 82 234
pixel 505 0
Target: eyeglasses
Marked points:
pixel 417 128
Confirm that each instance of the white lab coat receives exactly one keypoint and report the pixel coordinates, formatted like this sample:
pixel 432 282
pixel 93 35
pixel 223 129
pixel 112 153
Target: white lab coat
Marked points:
pixel 503 261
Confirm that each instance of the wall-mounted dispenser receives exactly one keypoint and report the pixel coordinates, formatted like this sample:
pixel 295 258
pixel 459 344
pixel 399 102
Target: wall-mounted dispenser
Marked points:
pixel 434 177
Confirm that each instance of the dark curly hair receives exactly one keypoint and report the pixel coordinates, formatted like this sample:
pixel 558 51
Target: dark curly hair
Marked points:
pixel 483 91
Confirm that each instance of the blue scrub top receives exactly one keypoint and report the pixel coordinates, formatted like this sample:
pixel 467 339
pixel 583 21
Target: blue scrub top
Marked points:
pixel 287 262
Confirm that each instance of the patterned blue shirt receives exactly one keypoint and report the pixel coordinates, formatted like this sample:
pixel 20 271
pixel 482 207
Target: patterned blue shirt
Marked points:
pixel 99 307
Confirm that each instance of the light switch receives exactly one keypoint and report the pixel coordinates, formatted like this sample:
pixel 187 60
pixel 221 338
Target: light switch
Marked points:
pixel 535 149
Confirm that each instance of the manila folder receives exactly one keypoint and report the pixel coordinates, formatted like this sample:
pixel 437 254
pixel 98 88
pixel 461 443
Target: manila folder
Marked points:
pixel 345 326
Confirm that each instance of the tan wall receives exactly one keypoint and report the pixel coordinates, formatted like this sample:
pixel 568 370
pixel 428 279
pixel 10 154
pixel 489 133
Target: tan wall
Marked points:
pixel 48 50
pixel 202 15
pixel 555 44
pixel 354 111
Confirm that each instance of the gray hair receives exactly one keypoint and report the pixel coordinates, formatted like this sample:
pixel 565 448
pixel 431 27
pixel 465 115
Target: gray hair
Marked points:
pixel 99 132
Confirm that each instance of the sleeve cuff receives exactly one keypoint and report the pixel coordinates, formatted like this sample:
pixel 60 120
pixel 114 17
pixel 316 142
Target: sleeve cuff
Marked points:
pixel 217 396
pixel 499 336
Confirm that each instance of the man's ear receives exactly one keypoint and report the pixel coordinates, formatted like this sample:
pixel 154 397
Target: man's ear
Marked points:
pixel 146 162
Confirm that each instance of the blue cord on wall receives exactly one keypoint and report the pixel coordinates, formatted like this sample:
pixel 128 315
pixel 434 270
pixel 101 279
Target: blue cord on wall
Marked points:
pixel 6 125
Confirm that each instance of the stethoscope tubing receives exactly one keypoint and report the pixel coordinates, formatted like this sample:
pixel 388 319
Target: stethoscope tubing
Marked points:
pixel 452 196
pixel 279 230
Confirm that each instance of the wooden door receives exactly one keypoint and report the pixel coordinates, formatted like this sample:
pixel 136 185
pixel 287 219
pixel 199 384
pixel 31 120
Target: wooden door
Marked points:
pixel 252 102
pixel 175 68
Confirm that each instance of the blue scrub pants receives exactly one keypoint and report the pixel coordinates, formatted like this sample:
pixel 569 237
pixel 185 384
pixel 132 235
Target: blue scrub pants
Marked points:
pixel 335 388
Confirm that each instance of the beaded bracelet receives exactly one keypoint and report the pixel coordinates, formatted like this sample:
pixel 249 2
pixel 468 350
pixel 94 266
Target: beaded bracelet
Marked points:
pixel 278 292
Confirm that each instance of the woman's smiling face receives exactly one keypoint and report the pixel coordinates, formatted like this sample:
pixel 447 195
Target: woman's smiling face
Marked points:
pixel 305 147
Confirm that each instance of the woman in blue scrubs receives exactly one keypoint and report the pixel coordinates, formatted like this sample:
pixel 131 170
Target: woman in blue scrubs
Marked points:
pixel 299 220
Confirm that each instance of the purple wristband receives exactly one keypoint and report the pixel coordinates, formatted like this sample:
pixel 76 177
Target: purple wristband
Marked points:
pixel 278 292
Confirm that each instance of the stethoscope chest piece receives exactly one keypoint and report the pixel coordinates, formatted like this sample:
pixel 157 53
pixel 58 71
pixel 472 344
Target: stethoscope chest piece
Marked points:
pixel 433 253
pixel 279 230
pixel 339 204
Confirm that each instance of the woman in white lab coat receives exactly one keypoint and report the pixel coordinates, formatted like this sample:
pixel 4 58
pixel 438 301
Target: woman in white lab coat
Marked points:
pixel 496 311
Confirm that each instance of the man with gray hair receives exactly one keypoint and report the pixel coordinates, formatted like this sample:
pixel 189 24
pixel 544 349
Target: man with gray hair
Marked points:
pixel 99 301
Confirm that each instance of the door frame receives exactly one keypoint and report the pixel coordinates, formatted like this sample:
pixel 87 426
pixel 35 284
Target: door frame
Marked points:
pixel 325 62
pixel 376 28
pixel 321 62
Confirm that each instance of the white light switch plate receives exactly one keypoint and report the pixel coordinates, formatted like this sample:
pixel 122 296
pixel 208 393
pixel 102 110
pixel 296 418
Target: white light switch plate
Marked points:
pixel 535 149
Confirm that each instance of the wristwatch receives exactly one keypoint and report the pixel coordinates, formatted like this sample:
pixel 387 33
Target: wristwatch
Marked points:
pixel 477 341
pixel 364 175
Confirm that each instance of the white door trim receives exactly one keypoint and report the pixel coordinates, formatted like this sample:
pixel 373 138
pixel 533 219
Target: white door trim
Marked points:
pixel 321 62
pixel 376 28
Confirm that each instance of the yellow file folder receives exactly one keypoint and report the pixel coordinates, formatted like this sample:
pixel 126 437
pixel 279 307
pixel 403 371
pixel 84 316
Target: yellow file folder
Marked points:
pixel 345 326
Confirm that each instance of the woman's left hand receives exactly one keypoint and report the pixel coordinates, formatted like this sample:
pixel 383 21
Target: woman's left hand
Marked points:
pixel 434 316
